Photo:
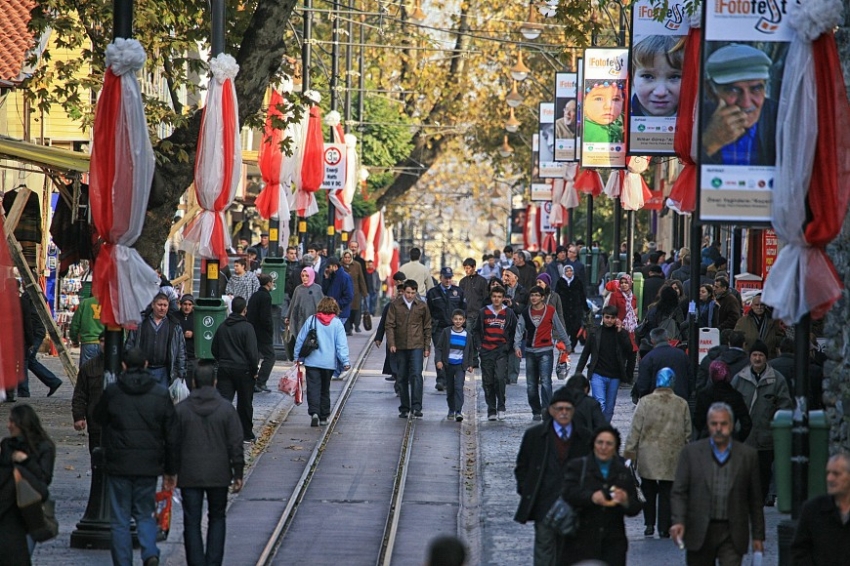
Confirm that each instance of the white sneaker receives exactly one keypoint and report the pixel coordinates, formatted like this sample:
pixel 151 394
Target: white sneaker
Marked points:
pixel 501 415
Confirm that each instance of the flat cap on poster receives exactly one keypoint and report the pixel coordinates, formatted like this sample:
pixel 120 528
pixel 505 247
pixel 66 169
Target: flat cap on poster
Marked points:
pixel 737 62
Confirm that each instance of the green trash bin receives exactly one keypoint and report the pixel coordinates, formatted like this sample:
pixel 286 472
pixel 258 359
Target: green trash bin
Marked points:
pixel 637 289
pixel 781 425
pixel 209 314
pixel 276 267
pixel 818 452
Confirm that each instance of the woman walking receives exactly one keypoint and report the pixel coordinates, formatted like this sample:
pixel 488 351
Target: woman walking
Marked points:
pixel 321 362
pixel 574 302
pixel 624 299
pixel 28 449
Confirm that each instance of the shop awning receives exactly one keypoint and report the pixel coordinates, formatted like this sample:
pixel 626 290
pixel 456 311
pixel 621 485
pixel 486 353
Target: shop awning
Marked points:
pixel 44 156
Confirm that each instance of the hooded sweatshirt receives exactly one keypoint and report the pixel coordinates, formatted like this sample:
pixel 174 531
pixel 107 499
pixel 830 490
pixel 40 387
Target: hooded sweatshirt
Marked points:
pixel 234 345
pixel 210 453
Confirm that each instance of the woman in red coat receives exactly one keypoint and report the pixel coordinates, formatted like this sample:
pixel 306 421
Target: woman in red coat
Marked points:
pixel 624 299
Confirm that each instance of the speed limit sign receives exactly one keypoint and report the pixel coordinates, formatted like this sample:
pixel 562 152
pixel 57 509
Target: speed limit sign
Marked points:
pixel 334 158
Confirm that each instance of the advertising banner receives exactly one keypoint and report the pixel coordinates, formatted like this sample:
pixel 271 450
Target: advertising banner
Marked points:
pixel 657 52
pixel 605 107
pixel 744 53
pixel 565 116
pixel 579 105
pixel 545 212
pixel 548 168
pixel 541 191
pixel 519 218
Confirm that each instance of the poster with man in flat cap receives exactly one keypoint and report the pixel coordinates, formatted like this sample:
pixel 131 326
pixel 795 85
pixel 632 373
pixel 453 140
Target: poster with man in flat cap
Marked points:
pixel 744 54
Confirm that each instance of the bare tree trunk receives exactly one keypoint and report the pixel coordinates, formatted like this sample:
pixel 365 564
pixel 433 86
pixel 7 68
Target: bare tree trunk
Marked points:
pixel 836 385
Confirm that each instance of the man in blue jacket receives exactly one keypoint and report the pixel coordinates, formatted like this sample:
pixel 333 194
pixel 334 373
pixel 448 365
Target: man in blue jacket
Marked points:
pixel 338 284
pixel 663 355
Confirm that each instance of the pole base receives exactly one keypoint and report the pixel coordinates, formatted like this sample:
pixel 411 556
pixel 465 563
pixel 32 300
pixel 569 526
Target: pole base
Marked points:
pixel 94 535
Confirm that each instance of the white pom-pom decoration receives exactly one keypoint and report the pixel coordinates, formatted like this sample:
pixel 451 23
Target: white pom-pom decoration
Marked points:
pixel 813 18
pixel 223 67
pixel 313 96
pixel 350 140
pixel 125 56
pixel 333 118
pixel 695 19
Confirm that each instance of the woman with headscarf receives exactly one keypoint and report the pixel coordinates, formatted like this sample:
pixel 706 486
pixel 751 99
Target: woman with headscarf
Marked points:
pixel 758 324
pixel 624 299
pixel 30 450
pixel 305 300
pixel 601 489
pixel 544 281
pixel 573 301
pixel 664 312
pixel 720 390
pixel 661 426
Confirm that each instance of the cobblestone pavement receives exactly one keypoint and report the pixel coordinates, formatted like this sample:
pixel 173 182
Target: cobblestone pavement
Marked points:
pixel 507 543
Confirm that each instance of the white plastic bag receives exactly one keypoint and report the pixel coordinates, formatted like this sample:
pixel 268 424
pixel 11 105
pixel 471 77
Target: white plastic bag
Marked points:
pixel 178 390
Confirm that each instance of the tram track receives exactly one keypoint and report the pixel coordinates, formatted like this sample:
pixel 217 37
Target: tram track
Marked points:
pixel 384 551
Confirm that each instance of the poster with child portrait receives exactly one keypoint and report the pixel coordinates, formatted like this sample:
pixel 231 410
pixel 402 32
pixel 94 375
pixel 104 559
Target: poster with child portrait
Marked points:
pixel 605 108
pixel 657 52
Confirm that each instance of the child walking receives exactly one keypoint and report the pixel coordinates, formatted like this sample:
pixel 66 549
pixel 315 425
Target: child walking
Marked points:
pixel 457 356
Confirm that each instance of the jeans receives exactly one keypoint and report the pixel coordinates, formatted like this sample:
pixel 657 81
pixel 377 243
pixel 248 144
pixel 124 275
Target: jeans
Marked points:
pixel 441 373
pixel 604 390
pixel 234 382
pixel 43 374
pixel 513 365
pixel 538 377
pixel 455 377
pixel 657 490
pixel 160 375
pixel 494 376
pixel 410 379
pixel 88 351
pixel 193 506
pixel 266 366
pixel 132 496
pixel 372 302
pixel 319 392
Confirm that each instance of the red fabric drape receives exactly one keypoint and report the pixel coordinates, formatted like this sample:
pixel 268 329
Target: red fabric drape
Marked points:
pixel 313 165
pixel 684 191
pixel 12 362
pixel 270 159
pixel 589 181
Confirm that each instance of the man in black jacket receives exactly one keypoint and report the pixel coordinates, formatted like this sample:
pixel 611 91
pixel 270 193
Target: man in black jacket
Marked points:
pixel 210 458
pixel 822 533
pixel 186 318
pixel 34 333
pixel 540 465
pixel 663 355
pixel 475 292
pixel 234 348
pixel 140 443
pixel 516 299
pixel 260 317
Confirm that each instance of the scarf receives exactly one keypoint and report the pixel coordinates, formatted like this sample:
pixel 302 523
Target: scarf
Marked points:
pixel 630 323
pixel 325 317
pixel 761 324
pixel 311 275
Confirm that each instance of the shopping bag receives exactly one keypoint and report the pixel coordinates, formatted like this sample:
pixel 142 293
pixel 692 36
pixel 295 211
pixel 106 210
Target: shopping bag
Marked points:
pixel 289 381
pixel 367 321
pixel 163 513
pixel 39 516
pixel 178 390
pixel 300 385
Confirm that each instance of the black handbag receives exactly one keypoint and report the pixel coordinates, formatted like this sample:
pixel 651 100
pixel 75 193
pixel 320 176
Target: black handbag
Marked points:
pixel 311 341
pixel 562 518
pixel 367 321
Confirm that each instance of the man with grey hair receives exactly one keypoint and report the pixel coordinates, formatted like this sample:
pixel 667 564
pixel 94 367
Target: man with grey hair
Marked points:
pixel 824 525
pixel 663 355
pixel 716 500
pixel 739 126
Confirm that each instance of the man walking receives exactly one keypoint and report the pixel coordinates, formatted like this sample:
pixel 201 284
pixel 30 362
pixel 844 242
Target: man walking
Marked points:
pixel 442 301
pixel 161 340
pixel 823 535
pixel 373 286
pixel 474 288
pixel 34 333
pixel 243 283
pixel 140 444
pixel 716 502
pixel 260 317
pixel 516 299
pixel 730 308
pixel 663 355
pixel 86 328
pixel 87 393
pixel 338 285
pixel 607 348
pixel 494 338
pixel 408 330
pixel 417 272
pixel 536 327
pixel 210 459
pixel 540 467
pixel 186 317
pixel 234 348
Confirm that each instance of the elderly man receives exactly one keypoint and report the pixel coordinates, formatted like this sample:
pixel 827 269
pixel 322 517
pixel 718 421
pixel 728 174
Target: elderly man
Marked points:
pixel 822 532
pixel 739 128
pixel 566 124
pixel 160 338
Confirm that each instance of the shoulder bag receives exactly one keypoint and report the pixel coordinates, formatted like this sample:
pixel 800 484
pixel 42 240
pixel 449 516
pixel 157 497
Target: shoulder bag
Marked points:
pixel 39 514
pixel 562 518
pixel 311 341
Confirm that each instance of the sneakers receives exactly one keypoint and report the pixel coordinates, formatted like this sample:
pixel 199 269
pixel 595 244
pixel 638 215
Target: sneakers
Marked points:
pixel 491 416
pixel 402 415
pixel 152 561
pixel 649 531
pixel 314 420
pixel 459 417
pixel 417 414
pixel 323 422
pixel 440 387
pixel 536 418
pixel 389 378
pixel 501 415
pixel 450 416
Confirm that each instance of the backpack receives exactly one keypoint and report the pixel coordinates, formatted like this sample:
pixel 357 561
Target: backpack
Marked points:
pixel 669 324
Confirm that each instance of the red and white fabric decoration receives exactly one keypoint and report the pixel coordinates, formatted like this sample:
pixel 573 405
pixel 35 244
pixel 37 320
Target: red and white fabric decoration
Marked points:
pixel 388 253
pixel 273 200
pixel 634 192
pixel 311 169
pixel 122 167
pixel 531 230
pixel 589 181
pixel 12 361
pixel 370 231
pixel 683 195
pixel 564 196
pixel 810 203
pixel 218 164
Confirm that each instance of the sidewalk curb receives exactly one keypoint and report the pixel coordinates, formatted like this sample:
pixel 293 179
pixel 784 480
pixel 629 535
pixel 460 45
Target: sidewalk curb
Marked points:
pixel 469 515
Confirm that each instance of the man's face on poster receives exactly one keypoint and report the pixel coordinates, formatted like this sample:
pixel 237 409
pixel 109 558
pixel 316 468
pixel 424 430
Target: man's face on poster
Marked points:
pixel 570 112
pixel 747 95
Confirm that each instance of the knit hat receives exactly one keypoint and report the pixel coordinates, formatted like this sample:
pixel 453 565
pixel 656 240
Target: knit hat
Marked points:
pixel 563 395
pixel 718 371
pixel 759 346
pixel 665 377
pixel 187 298
pixel 513 269
pixel 545 278
pixel 399 276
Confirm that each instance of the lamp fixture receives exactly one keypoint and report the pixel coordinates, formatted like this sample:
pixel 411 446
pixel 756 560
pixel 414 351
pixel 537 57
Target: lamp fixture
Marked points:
pixel 519 72
pixel 512 124
pixel 530 29
pixel 514 98
pixel 505 150
pixel 489 233
pixel 492 217
pixel 418 15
